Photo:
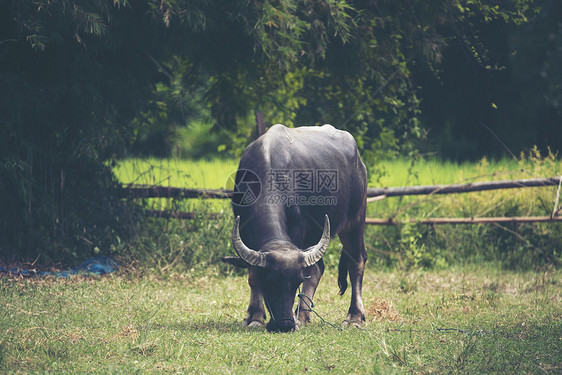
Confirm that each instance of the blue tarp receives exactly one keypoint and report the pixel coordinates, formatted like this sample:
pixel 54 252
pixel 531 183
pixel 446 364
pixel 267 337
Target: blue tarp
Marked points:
pixel 97 266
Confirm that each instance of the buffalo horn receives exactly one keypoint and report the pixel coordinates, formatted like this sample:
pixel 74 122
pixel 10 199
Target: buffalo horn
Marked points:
pixel 314 253
pixel 252 257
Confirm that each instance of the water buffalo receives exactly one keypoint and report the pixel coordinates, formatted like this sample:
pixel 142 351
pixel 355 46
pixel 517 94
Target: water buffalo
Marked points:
pixel 295 188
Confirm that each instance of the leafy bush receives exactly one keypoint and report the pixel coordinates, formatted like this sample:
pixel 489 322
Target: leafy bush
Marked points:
pixel 185 245
pixel 76 215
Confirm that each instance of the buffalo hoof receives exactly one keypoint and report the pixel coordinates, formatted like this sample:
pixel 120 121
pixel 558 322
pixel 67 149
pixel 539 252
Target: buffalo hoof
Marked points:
pixel 255 324
pixel 354 321
pixel 347 324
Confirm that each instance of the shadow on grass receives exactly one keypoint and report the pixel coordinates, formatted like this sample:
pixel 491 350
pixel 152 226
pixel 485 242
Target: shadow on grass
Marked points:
pixel 207 326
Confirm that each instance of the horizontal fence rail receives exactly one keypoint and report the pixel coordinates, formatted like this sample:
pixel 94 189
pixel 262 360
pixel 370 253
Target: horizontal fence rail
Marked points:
pixel 177 215
pixel 373 194
pixel 461 188
pixel 147 191
pixel 462 220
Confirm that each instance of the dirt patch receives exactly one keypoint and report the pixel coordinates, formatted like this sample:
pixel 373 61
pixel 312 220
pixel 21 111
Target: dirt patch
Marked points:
pixel 128 331
pixel 383 311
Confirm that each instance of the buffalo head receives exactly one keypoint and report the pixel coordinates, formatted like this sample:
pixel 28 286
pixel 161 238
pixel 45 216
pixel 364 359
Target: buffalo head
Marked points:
pixel 280 267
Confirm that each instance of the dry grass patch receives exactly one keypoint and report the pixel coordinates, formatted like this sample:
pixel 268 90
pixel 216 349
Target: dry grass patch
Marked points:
pixel 383 311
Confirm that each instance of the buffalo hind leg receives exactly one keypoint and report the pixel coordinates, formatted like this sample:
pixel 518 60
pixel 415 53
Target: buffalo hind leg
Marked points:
pixel 256 312
pixel 312 274
pixel 355 256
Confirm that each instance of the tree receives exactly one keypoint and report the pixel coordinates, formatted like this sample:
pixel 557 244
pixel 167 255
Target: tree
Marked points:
pixel 72 76
pixel 78 80
pixel 348 63
pixel 501 100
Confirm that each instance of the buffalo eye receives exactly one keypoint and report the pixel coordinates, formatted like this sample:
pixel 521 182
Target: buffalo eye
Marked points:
pixel 302 278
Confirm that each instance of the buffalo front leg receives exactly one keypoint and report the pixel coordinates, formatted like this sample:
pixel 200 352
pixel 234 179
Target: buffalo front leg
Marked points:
pixel 312 275
pixel 256 312
pixel 355 257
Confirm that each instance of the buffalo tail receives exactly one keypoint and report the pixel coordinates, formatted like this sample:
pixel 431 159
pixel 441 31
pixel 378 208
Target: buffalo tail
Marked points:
pixel 342 274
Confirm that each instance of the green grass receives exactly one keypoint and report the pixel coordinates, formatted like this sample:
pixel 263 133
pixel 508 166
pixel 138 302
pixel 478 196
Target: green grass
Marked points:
pixel 509 202
pixel 213 174
pixel 216 173
pixel 210 174
pixel 468 320
pixel 200 174
pixel 438 299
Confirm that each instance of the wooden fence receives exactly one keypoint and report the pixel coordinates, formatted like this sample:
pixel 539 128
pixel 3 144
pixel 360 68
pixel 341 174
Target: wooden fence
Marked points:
pixel 373 194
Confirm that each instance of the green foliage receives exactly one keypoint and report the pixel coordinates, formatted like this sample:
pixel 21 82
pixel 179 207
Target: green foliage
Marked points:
pixel 175 103
pixel 197 141
pixel 512 246
pixel 413 251
pixel 194 244
pixel 86 82
pixel 71 80
pixel 507 71
pixel 336 62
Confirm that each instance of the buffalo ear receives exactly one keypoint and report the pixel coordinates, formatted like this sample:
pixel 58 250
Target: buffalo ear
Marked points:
pixel 235 261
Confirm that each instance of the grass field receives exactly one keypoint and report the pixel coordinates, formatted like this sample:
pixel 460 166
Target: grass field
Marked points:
pixel 213 174
pixel 451 299
pixel 196 174
pixel 461 320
